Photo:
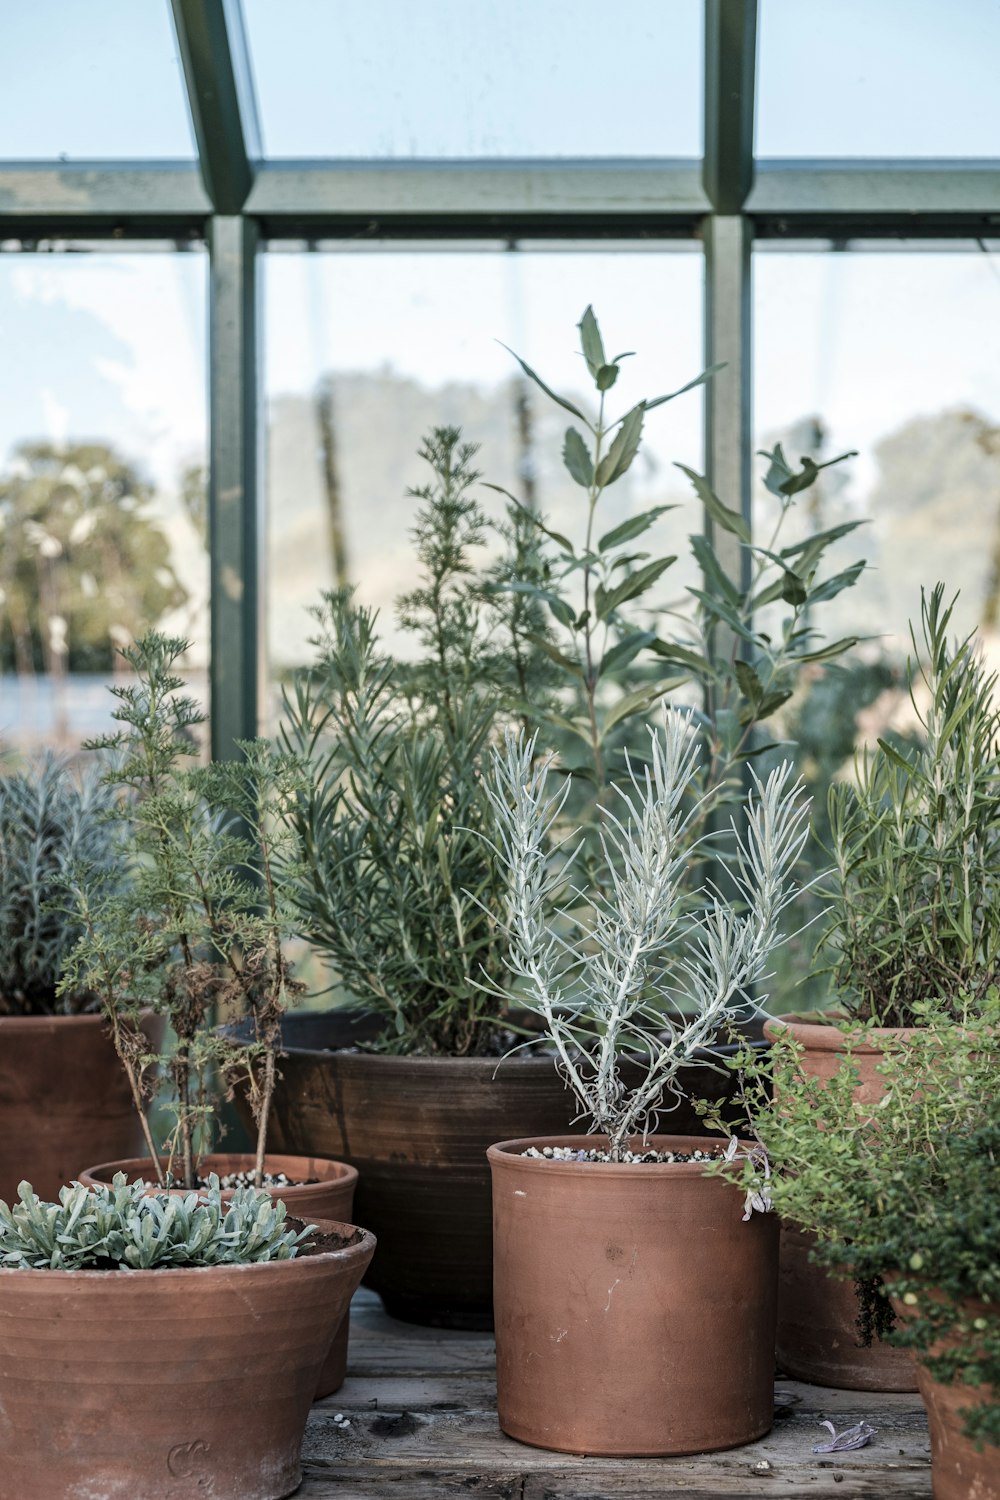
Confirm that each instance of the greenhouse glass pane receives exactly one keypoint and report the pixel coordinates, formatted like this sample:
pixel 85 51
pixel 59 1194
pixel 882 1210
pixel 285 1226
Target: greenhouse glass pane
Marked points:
pixel 102 479
pixel 368 350
pixel 385 78
pixel 908 78
pixel 91 79
pixel 884 352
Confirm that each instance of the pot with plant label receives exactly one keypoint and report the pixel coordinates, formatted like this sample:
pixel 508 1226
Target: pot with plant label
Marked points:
pixel 906 1205
pixel 64 1100
pixel 309 1187
pixel 399 893
pixel 634 1286
pixel 912 919
pixel 207 1325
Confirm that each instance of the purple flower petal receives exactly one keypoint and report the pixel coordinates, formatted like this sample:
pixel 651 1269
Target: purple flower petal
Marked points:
pixel 844 1442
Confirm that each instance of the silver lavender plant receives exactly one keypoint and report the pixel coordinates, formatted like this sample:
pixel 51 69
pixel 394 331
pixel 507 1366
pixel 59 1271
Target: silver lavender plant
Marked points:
pixel 649 975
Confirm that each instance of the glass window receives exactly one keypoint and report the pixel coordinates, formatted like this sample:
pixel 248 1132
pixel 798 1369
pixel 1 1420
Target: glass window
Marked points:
pixel 446 78
pixel 884 352
pixel 102 478
pixel 368 350
pixel 91 79
pixel 911 78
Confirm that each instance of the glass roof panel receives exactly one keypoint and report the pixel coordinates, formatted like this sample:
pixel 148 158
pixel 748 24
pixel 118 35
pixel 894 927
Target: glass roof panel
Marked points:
pixel 91 79
pixel 908 78
pixel 446 78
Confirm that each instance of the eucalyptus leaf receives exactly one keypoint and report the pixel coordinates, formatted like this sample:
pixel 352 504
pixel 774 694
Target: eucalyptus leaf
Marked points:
pixel 605 603
pixel 623 449
pixel 626 531
pixel 591 342
pixel 577 458
pixel 559 400
pixel 728 519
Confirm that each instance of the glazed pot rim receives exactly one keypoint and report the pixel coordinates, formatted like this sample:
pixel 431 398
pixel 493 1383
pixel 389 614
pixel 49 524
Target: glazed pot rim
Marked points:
pixel 515 1058
pixel 509 1155
pixel 363 1247
pixel 832 1035
pixel 345 1173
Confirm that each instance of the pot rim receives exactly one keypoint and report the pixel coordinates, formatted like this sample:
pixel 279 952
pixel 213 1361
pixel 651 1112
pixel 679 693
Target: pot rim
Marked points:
pixel 831 1036
pixel 364 1247
pixel 42 1023
pixel 508 1156
pixel 344 1173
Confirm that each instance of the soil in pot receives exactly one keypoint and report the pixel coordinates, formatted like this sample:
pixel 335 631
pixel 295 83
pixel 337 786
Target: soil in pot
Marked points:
pixel 817 1337
pixel 635 1309
pixel 64 1099
pixel 314 1189
pixel 417 1129
pixel 171 1384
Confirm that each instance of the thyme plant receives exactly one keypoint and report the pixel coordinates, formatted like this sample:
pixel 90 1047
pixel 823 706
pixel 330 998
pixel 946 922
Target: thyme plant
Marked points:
pixel 905 1199
pixel 648 976
pixel 126 1228
pixel 203 922
pixel 52 819
pixel 914 911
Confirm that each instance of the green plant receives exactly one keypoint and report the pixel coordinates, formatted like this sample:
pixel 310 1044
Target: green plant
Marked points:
pixel 905 1197
pixel 201 925
pixel 127 1228
pixel 916 842
pixel 51 821
pixel 649 975
pixel 613 662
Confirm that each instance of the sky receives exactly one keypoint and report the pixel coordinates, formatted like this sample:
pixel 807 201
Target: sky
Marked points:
pixel 113 344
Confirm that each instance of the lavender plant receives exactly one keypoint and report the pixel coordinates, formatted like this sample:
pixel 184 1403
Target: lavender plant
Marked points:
pixel 650 974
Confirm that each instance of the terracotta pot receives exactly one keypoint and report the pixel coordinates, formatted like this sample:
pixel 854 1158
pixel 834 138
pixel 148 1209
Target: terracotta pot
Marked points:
pixel 958 1470
pixel 330 1196
pixel 417 1129
pixel 64 1099
pixel 817 1338
pixel 167 1384
pixel 634 1309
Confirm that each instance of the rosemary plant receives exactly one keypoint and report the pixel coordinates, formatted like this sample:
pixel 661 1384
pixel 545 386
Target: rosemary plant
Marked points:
pixel 202 924
pixel 914 909
pixel 51 821
pixel 649 976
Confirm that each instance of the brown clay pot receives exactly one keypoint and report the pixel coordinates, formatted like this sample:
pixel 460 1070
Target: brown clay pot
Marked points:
pixel 634 1309
pixel 817 1337
pixel 417 1129
pixel 330 1196
pixel 959 1470
pixel 167 1384
pixel 64 1099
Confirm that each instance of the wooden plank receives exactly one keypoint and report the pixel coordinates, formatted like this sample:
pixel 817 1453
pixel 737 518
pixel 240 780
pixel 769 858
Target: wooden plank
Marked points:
pixel 421 1407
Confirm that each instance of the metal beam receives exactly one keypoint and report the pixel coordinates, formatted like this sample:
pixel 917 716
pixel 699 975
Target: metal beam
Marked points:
pixel 234 492
pixel 440 194
pixel 804 196
pixel 215 57
pixel 728 421
pixel 730 73
pixel 104 195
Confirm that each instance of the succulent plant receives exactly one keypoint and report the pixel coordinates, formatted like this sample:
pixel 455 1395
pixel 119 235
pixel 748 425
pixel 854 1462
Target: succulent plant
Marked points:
pixel 125 1227
pixel 53 824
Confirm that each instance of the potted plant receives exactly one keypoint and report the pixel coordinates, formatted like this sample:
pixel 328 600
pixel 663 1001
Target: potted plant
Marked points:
pixel 911 917
pixel 634 1305
pixel 399 891
pixel 904 1201
pixel 63 1098
pixel 200 927
pixel 159 1346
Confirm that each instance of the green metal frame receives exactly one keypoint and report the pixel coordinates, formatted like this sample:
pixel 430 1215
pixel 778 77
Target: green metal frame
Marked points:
pixel 235 200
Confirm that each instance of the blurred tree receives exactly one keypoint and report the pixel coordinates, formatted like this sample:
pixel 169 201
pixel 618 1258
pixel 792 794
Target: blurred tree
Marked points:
pixel 83 567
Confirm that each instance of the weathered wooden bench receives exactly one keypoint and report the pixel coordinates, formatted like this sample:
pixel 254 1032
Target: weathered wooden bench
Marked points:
pixel 420 1424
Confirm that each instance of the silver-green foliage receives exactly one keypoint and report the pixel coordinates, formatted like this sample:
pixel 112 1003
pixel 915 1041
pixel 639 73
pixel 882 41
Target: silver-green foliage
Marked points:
pixel 54 823
pixel 651 974
pixel 915 898
pixel 124 1227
